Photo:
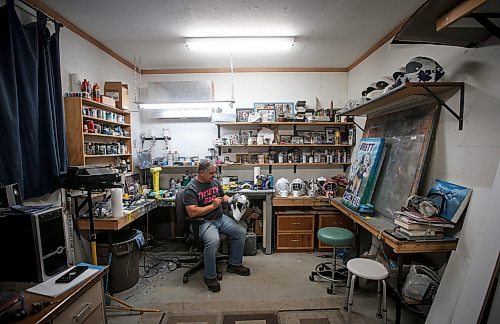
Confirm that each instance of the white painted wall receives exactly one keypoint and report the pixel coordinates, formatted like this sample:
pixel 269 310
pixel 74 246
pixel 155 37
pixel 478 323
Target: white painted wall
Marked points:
pixel 89 62
pixel 468 157
pixel 194 138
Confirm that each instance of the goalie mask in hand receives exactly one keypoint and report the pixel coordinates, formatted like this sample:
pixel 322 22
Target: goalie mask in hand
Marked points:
pixel 239 204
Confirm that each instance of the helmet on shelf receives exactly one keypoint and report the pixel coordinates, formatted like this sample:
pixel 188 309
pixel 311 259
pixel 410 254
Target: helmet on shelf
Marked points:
pixel 330 189
pixel 374 94
pixel 398 74
pixel 423 69
pixel 383 82
pixel 239 204
pixel 282 187
pixel 312 187
pixel 297 187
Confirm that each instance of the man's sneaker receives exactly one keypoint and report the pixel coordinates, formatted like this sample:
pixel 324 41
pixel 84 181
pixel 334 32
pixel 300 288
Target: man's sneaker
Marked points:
pixel 212 284
pixel 241 270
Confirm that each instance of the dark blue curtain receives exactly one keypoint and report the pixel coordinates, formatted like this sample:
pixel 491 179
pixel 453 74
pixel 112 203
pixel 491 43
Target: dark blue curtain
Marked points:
pixel 32 131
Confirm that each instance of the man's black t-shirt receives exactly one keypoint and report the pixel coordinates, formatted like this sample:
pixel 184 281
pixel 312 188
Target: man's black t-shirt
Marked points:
pixel 202 194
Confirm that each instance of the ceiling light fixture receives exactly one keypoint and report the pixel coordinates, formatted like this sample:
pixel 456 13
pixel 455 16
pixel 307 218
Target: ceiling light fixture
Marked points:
pixel 239 44
pixel 200 109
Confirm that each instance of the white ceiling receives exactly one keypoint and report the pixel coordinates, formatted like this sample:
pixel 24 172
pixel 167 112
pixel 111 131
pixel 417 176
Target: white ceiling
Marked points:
pixel 329 33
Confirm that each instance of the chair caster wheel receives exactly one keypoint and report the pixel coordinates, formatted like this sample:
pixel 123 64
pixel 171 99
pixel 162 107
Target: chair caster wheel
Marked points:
pixel 311 277
pixel 329 290
pixel 346 308
pixel 379 316
pixel 185 279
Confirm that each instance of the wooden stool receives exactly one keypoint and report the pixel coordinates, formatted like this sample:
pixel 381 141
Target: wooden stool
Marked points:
pixel 368 269
pixel 335 236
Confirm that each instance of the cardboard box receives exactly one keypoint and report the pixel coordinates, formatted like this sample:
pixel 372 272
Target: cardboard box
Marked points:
pixel 119 92
pixel 258 227
pixel 108 101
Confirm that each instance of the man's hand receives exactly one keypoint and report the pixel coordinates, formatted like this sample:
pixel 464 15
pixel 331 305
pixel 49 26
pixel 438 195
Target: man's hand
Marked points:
pixel 217 202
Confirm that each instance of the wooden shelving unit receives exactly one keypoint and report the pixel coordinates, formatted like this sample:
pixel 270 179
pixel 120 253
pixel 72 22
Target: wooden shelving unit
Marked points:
pixel 307 126
pixel 77 137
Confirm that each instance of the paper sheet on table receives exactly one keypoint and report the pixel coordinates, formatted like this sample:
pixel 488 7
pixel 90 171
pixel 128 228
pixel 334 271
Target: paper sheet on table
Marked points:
pixel 51 288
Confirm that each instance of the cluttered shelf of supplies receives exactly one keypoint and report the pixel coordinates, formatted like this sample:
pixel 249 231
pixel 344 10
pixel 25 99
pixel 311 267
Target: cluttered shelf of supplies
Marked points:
pixel 288 143
pixel 381 226
pixel 410 95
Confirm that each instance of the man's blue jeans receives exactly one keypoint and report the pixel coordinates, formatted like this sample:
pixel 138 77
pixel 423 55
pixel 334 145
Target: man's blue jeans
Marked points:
pixel 209 234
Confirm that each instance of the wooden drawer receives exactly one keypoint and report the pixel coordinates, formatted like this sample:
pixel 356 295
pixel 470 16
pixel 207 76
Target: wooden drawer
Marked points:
pixel 333 219
pixel 291 223
pixel 295 242
pixel 88 308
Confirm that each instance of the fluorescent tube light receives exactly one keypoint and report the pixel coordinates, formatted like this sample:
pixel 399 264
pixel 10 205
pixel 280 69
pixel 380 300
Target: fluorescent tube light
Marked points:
pixel 239 44
pixel 202 109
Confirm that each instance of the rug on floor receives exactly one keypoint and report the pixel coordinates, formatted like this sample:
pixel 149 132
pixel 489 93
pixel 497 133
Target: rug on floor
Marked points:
pixel 306 311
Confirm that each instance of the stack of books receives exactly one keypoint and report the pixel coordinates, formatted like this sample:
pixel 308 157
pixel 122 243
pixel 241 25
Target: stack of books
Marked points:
pixel 415 226
pixel 452 200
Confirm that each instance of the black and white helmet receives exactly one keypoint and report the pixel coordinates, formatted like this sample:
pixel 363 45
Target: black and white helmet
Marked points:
pixel 423 69
pixel 298 187
pixel 312 187
pixel 238 204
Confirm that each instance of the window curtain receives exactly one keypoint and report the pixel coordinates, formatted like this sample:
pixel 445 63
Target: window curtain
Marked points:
pixel 32 131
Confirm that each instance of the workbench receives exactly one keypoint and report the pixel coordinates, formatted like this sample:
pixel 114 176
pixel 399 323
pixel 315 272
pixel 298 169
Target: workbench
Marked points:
pixel 378 225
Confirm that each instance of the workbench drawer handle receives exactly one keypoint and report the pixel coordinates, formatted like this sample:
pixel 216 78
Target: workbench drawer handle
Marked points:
pixel 296 223
pixel 79 317
pixel 295 241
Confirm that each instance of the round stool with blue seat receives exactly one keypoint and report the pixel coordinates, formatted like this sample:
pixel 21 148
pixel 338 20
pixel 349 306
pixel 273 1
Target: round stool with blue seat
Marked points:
pixel 333 271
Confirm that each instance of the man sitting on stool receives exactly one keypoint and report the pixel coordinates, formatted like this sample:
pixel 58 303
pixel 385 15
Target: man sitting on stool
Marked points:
pixel 203 198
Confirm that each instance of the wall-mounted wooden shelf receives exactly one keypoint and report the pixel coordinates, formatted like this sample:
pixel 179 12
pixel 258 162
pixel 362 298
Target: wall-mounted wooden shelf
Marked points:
pixel 411 95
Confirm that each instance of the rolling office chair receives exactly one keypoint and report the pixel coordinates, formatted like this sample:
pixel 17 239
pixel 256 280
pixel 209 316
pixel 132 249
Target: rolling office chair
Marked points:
pixel 191 233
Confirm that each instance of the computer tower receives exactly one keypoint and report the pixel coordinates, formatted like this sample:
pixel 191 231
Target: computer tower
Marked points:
pixel 33 245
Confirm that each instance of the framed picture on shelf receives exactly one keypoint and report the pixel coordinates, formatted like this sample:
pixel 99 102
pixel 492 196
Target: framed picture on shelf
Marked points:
pixel 242 114
pixel 318 137
pixel 282 109
pixel 330 134
pixel 306 136
pixel 267 114
pixel 285 139
pixel 297 140
pixel 131 183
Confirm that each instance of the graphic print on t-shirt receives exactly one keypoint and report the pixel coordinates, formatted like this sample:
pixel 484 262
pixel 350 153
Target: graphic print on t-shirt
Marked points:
pixel 207 196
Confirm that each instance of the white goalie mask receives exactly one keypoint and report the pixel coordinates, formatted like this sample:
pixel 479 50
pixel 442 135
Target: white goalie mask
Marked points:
pixel 238 204
pixel 423 69
pixel 282 187
pixel 298 187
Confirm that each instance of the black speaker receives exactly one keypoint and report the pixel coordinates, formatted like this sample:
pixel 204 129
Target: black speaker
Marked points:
pixel 10 195
pixel 33 245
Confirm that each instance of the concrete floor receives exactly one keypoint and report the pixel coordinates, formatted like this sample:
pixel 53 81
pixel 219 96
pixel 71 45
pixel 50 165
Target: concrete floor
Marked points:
pixel 276 280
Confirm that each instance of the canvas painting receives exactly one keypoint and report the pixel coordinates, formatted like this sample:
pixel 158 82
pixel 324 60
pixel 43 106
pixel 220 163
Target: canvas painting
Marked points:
pixel 364 172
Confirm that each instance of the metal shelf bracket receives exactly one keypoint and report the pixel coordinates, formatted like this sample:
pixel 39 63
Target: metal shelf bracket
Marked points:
pixel 460 115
